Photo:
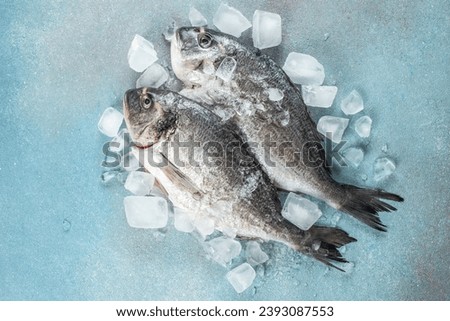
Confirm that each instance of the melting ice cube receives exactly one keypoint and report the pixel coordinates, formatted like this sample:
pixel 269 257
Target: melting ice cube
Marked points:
pixel 204 225
pixel 196 18
pixel 241 277
pixel 224 249
pixel 319 96
pixel 352 104
pixel 106 177
pixel 182 221
pixel 275 94
pixel 363 126
pixel 254 253
pixel 110 122
pixel 304 69
pixel 154 76
pixel 266 31
pixel 226 69
pixel 383 168
pixel 354 155
pixel 300 211
pixel 141 54
pixel 146 212
pixel 332 127
pixel 118 142
pixel 229 20
pixel 139 183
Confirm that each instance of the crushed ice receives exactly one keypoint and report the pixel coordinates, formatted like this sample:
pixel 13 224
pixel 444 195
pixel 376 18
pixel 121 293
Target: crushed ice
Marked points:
pixel 196 18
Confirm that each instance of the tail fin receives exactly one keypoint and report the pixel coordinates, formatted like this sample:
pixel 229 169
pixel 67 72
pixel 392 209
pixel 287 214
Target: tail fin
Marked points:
pixel 364 204
pixel 322 243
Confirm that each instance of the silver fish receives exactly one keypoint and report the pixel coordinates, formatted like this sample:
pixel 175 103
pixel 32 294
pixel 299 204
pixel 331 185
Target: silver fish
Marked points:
pixel 208 172
pixel 286 141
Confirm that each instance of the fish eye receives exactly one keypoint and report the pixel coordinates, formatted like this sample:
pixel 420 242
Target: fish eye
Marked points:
pixel 205 41
pixel 147 102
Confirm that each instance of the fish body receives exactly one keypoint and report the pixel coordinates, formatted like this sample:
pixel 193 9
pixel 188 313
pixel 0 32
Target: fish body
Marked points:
pixel 208 172
pixel 285 139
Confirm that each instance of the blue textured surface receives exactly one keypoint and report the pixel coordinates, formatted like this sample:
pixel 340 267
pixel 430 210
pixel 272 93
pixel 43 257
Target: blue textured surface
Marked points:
pixel 63 63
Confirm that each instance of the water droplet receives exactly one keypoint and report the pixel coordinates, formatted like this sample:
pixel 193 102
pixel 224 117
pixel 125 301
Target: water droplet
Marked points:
pixel 66 225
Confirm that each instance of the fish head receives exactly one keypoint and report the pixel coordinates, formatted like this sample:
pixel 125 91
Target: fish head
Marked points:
pixel 148 119
pixel 194 47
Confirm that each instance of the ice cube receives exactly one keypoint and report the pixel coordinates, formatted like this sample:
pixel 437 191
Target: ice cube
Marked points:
pixel 146 212
pixel 154 76
pixel 182 221
pixel 208 67
pixel 229 20
pixel 304 69
pixel 196 18
pixel 266 31
pixel 204 225
pixel 319 96
pixel 334 219
pixel 231 232
pixel 106 177
pixel 110 122
pixel 117 144
pixel 300 211
pixel 363 126
pixel 383 168
pixel 241 277
pixel 275 94
pixel 224 249
pixel 354 155
pixel 226 69
pixel 332 127
pixel 254 253
pixel 139 183
pixel 141 54
pixel 352 104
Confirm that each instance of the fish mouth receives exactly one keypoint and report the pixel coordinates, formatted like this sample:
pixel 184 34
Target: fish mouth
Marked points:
pixel 125 105
pixel 177 38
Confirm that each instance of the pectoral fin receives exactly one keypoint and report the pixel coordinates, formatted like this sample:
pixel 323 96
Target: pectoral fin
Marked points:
pixel 177 177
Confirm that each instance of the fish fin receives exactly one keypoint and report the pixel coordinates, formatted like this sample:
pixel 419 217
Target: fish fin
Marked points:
pixel 180 179
pixel 322 243
pixel 364 204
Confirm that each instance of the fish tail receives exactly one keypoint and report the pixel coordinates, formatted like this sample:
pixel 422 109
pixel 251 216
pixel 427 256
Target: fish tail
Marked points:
pixel 322 243
pixel 364 204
